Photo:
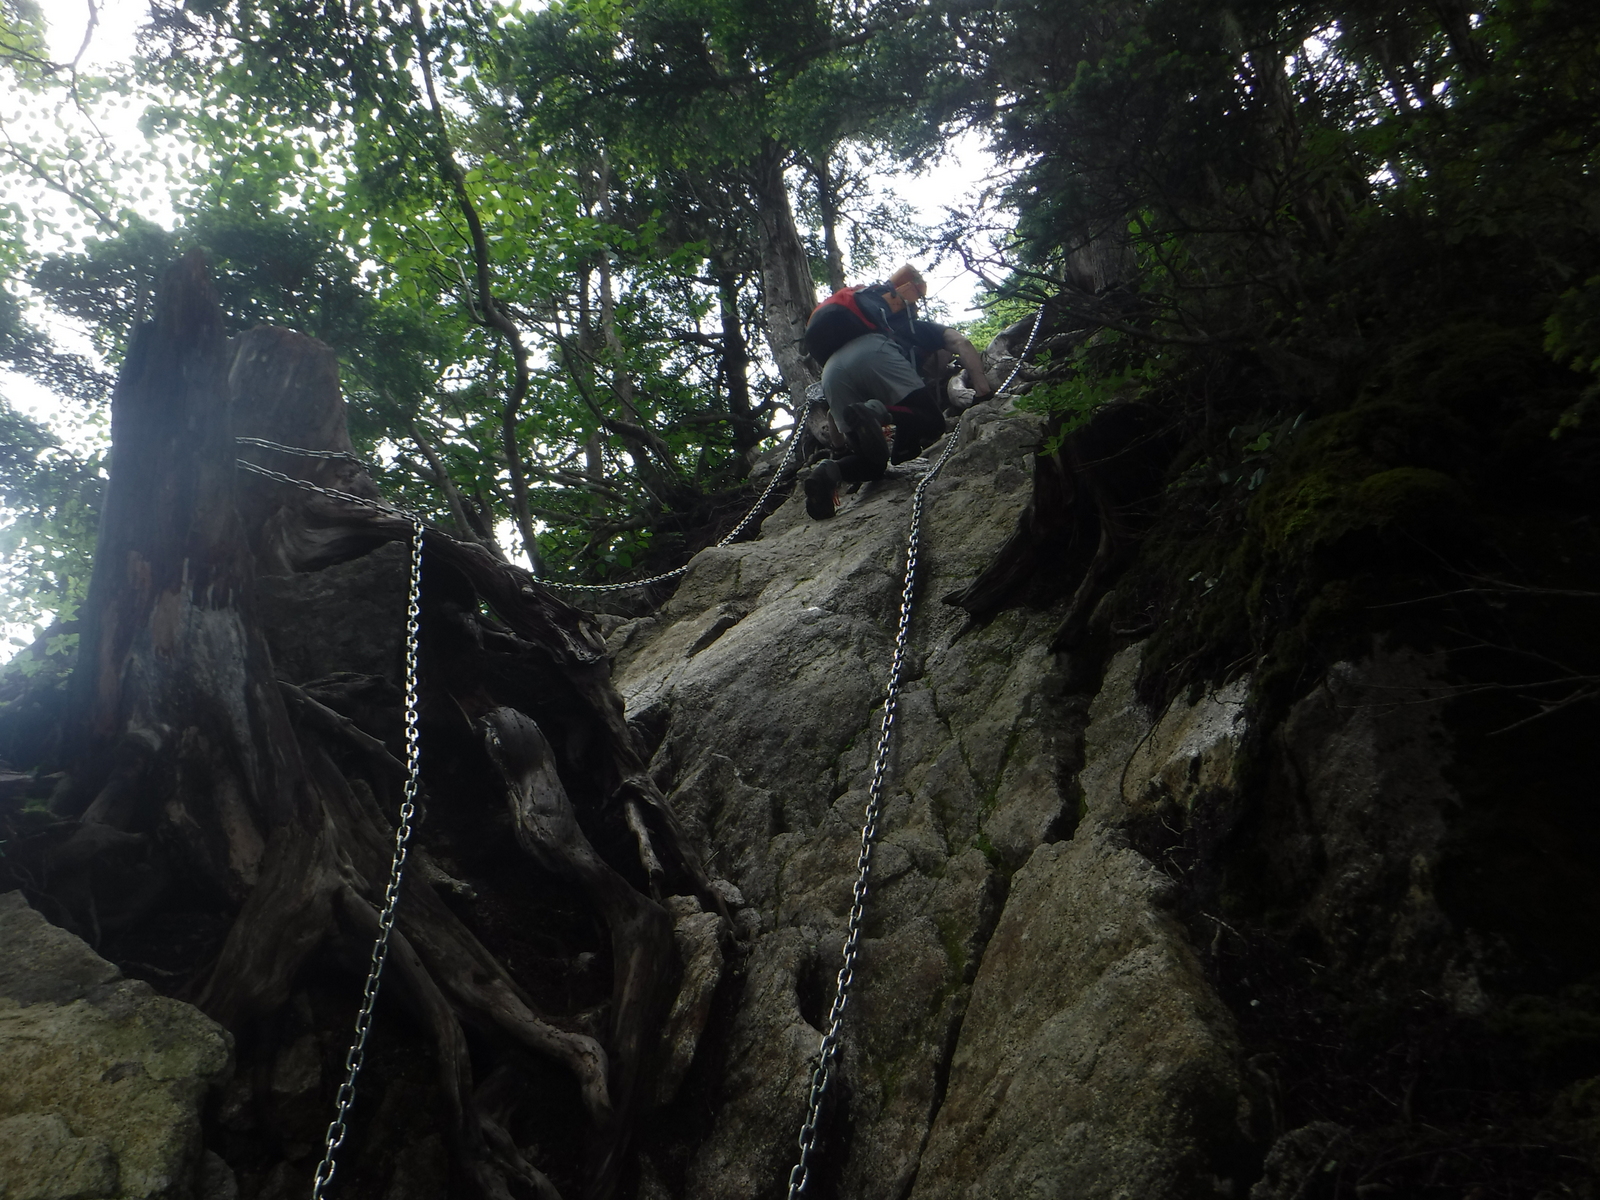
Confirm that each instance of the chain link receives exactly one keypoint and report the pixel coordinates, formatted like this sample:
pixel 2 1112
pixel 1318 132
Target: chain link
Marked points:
pixel 1038 320
pixel 761 501
pixel 766 494
pixel 828 1049
pixel 302 452
pixel 338 1128
pixel 794 443
pixel 331 493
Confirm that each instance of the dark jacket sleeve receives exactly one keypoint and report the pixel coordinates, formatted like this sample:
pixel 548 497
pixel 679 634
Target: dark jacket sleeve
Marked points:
pixel 928 335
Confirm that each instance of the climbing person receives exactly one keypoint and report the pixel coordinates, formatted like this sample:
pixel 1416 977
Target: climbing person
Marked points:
pixel 869 341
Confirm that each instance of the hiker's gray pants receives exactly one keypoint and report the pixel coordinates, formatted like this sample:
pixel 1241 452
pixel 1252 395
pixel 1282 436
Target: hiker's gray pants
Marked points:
pixel 871 370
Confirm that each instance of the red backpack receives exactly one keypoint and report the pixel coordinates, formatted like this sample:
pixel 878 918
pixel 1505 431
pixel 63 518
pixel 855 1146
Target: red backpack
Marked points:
pixel 840 319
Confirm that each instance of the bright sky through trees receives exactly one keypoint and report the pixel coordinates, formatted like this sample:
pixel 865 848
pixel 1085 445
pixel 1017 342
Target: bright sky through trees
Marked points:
pixel 122 183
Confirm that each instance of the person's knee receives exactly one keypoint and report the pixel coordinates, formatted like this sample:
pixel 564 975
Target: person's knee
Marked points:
pixel 924 406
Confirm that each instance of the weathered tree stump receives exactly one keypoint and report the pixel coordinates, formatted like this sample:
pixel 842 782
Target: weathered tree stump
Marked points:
pixel 200 782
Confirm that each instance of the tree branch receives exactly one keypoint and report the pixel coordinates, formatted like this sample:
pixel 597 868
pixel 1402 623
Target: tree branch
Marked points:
pixel 493 315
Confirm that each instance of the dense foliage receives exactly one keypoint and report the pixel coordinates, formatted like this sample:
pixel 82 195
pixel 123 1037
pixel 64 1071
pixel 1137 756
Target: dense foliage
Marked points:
pixel 546 244
pixel 1351 253
pixel 563 253
pixel 1345 258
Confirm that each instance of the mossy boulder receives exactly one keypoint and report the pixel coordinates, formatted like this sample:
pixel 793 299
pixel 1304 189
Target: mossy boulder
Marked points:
pixel 104 1080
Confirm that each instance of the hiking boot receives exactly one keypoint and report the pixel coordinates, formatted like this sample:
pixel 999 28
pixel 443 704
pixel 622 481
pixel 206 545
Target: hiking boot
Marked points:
pixel 822 490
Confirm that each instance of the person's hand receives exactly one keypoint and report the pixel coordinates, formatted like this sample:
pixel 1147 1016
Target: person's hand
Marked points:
pixel 963 397
pixel 956 342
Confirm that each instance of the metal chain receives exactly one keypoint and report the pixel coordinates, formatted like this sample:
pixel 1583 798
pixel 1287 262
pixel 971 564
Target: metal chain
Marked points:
pixel 1038 320
pixel 828 1048
pixel 341 455
pixel 761 501
pixel 794 443
pixel 337 1128
pixel 766 494
pixel 331 493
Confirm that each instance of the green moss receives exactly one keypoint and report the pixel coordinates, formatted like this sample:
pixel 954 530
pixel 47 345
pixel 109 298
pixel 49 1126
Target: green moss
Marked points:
pixel 991 794
pixel 982 844
pixel 1475 370
pixel 955 936
pixel 1284 554
pixel 889 1074
pixel 1321 508
pixel 1576 1114
pixel 889 1057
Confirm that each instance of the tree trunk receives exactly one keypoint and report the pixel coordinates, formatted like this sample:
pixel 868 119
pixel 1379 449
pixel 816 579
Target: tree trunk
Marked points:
pixel 238 755
pixel 621 381
pixel 467 524
pixel 787 293
pixel 167 628
pixel 828 206
pixel 735 364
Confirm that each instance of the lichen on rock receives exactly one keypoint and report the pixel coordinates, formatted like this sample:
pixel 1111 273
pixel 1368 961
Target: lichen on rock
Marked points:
pixel 103 1083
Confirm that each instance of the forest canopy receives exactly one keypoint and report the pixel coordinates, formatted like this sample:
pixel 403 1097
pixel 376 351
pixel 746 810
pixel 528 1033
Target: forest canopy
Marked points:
pixel 564 252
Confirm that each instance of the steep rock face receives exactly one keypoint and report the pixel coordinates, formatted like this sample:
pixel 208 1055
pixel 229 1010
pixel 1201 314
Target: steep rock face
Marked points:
pixel 1371 1043
pixel 1361 763
pixel 1095 1059
pixel 103 1080
pixel 1027 1019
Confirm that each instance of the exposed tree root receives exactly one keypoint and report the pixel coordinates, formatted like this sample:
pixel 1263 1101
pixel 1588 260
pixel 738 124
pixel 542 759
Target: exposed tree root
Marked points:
pixel 488 1158
pixel 271 800
pixel 641 933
